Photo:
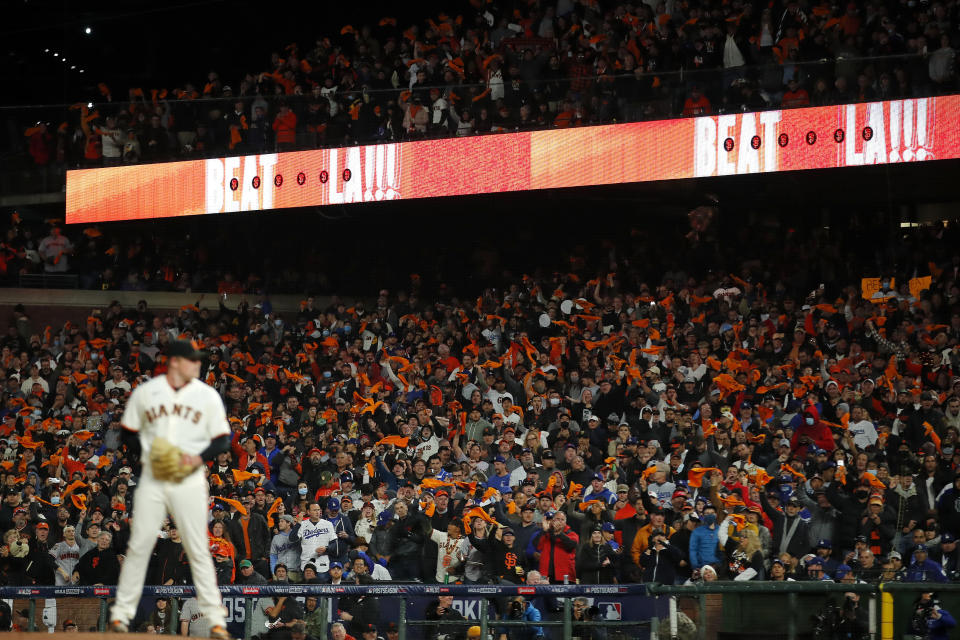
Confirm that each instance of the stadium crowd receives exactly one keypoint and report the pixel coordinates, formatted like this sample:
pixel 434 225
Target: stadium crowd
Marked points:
pixel 589 427
pixel 501 66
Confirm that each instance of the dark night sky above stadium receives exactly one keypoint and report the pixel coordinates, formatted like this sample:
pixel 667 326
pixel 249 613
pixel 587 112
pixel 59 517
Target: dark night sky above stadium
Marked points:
pixel 159 44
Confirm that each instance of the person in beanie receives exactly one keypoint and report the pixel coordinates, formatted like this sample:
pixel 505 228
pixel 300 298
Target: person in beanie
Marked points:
pixel 704 545
pixel 595 560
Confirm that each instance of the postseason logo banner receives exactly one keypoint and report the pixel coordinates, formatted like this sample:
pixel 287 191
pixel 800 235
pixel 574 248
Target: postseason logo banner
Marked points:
pixel 912 130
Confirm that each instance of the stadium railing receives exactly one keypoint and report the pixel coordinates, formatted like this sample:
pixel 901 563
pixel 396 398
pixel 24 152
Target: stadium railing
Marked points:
pixel 718 610
pixel 629 97
pixel 406 604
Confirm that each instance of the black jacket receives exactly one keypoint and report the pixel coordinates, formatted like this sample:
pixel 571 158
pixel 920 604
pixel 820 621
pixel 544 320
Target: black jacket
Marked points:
pixel 99 567
pixel 590 564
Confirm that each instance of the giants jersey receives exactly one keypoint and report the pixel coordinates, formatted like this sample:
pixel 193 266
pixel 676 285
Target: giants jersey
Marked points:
pixel 312 536
pixel 67 556
pixel 189 417
pixel 451 552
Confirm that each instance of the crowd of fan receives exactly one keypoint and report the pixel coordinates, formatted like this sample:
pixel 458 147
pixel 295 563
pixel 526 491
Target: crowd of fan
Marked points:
pixel 495 68
pixel 564 429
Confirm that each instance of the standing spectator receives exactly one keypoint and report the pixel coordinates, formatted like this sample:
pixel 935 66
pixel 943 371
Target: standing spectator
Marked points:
pixel 99 565
pixel 595 560
pixel 661 560
pixel 285 128
pixel 923 569
pixel 554 548
pixel 55 250
pixel 66 553
pixel 704 541
pixel 283 550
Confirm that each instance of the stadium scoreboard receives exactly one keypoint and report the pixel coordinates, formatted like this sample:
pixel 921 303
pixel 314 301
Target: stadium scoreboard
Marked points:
pixel 831 137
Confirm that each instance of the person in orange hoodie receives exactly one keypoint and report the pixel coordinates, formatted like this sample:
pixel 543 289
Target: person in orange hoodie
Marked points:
pixel 285 126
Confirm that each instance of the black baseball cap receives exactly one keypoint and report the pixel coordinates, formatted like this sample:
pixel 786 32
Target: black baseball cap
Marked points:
pixel 185 349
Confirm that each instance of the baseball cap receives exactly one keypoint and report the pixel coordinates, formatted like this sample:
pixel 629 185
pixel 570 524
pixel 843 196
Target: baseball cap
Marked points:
pixel 815 560
pixel 508 532
pixel 288 518
pixel 500 459
pixel 184 349
pixel 245 563
pixel 842 571
pixel 333 504
pixel 369 627
pixel 784 442
pixel 336 565
pixel 894 554
pixel 608 527
pixel 947 537
pixel 876 499
pixel 42 525
pixel 548 455
pixel 823 543
pixel 920 548
pixel 622 488
pixel 597 476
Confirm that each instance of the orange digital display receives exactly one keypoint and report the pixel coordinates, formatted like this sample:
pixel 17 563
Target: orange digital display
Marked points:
pixel 736 144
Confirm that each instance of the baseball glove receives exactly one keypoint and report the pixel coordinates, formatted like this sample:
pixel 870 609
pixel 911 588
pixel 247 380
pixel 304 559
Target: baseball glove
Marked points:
pixel 166 461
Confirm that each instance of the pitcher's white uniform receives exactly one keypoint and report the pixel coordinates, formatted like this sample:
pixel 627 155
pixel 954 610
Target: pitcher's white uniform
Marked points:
pixel 312 536
pixel 188 418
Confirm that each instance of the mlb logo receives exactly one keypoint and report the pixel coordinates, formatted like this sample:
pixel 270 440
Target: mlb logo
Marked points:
pixel 609 610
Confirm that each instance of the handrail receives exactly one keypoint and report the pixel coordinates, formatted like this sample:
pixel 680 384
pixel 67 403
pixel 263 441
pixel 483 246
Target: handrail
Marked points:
pixel 385 588
pixel 760 587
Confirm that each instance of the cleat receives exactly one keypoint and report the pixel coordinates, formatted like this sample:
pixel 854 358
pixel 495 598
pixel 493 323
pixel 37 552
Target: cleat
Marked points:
pixel 116 626
pixel 220 633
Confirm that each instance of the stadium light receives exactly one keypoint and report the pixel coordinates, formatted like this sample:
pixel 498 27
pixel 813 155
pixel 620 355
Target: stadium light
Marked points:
pixel 88 31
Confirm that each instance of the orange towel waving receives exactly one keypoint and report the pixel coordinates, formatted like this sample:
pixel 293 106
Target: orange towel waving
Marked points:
pixel 272 510
pixel 397 441
pixel 695 476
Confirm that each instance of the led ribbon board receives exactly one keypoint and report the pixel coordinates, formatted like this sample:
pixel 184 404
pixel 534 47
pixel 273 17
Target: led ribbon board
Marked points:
pixel 737 144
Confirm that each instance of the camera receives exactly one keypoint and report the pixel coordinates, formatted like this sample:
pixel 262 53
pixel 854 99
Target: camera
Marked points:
pixel 516 609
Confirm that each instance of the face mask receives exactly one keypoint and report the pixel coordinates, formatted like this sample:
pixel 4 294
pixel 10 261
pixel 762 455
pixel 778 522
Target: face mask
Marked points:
pixel 326 333
pixel 809 421
pixel 327 374
pixel 554 402
pixel 302 491
pixel 55 500
pixel 947 452
pixel 709 519
pixel 346 328
pixel 574 379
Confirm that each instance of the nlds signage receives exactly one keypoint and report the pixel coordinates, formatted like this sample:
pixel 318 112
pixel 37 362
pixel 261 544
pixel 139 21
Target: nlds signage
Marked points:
pixel 329 176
